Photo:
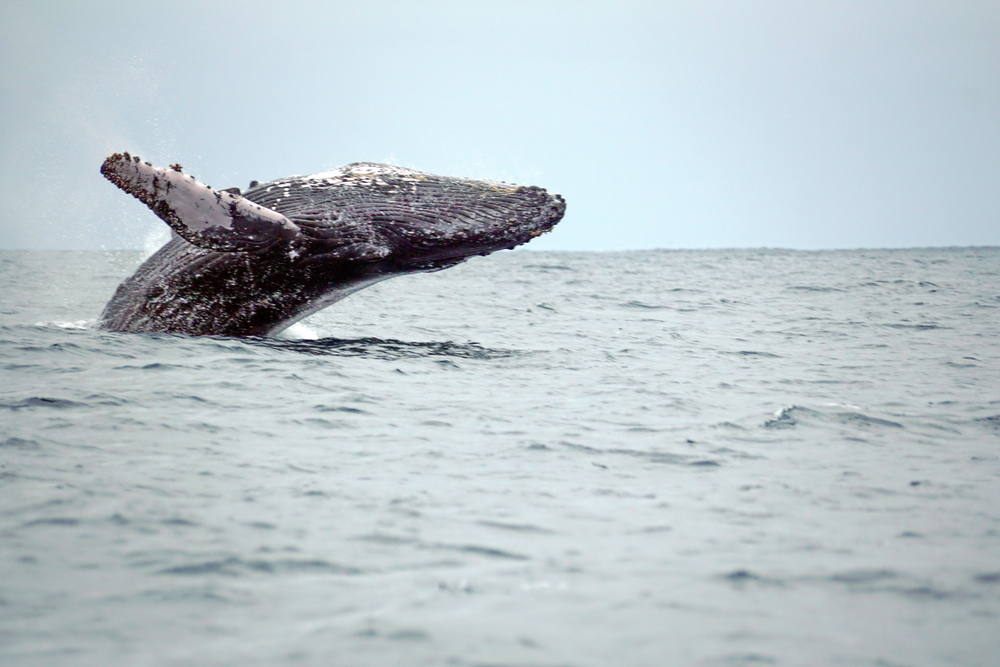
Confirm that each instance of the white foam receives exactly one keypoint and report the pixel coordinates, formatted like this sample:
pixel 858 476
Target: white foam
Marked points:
pixel 299 331
pixel 158 237
pixel 75 325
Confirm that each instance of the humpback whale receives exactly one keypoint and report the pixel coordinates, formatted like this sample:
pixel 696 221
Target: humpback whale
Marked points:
pixel 254 262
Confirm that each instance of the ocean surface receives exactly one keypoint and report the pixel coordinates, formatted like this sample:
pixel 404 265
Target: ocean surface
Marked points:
pixel 548 459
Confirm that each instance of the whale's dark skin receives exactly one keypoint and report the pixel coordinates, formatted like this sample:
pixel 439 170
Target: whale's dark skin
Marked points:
pixel 253 263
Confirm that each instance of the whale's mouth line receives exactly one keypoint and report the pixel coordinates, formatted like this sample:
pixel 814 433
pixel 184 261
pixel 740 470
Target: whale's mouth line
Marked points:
pixel 417 241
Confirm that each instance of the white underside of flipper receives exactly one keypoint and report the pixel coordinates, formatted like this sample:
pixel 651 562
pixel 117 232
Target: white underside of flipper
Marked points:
pixel 208 218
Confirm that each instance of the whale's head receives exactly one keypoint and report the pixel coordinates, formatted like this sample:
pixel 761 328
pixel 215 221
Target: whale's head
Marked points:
pixel 409 219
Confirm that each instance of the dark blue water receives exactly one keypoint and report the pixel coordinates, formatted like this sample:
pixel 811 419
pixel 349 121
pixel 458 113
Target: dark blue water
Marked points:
pixel 536 458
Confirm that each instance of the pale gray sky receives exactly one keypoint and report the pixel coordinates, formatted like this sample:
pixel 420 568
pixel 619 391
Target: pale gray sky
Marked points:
pixel 797 124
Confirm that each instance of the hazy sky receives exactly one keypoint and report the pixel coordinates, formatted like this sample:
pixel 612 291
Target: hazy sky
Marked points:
pixel 804 124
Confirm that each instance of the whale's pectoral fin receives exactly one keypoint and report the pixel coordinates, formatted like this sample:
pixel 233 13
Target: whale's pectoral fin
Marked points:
pixel 219 220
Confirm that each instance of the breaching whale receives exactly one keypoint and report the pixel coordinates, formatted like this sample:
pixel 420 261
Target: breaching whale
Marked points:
pixel 253 263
